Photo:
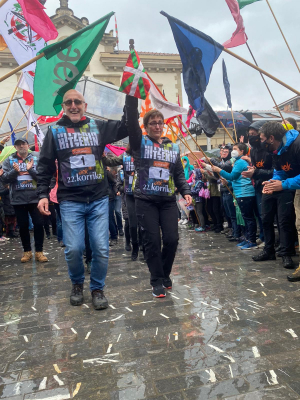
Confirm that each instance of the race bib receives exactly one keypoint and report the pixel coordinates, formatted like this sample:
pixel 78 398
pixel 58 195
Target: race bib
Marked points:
pixel 159 173
pixel 82 161
pixel 130 179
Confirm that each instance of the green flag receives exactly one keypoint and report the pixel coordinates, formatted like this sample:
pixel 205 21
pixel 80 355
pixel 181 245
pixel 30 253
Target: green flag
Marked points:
pixel 63 65
pixel 244 3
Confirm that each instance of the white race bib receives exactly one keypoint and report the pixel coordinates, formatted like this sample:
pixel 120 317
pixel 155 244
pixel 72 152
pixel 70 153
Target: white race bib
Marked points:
pixel 82 161
pixel 130 179
pixel 159 173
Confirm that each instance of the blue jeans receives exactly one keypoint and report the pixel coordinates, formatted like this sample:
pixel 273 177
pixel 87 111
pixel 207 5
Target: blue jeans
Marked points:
pixel 247 205
pixel 74 215
pixel 118 206
pixel 231 212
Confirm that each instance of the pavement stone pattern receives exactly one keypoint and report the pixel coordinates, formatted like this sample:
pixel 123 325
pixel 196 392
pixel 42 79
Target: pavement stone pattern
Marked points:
pixel 229 328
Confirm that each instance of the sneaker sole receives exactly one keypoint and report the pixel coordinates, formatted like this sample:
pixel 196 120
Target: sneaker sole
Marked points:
pixel 167 287
pixel 103 307
pixel 76 303
pixel 159 296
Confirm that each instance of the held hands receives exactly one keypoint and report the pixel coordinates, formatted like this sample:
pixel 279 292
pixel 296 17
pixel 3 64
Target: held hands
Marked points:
pixel 16 167
pixel 29 165
pixel 249 173
pixel 272 186
pixel 188 199
pixel 216 169
pixel 43 207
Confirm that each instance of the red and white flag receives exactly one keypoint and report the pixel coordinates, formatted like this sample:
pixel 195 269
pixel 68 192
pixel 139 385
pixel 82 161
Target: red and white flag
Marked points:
pixel 26 83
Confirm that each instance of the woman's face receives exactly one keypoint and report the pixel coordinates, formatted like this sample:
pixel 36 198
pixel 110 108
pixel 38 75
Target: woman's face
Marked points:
pixel 238 150
pixel 155 127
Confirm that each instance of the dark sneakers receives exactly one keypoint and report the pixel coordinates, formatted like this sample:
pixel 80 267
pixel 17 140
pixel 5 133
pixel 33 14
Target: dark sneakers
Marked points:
pixel 128 246
pixel 167 283
pixel 99 300
pixel 288 262
pixel 264 256
pixel 158 291
pixel 76 298
pixel 295 276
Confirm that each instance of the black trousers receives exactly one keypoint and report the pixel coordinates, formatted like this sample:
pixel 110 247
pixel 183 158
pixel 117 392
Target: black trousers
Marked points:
pixel 127 231
pixel 50 219
pixel 23 222
pixel 281 203
pixel 214 210
pixel 155 218
pixel 132 218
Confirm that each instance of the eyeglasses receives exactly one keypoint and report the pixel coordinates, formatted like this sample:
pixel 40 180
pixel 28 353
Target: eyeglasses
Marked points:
pixel 156 123
pixel 77 102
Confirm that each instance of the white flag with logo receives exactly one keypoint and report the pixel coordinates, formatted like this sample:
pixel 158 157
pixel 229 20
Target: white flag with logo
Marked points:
pixel 21 40
pixel 34 128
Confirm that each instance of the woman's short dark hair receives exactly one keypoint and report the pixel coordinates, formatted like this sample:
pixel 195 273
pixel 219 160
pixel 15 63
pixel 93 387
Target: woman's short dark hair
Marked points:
pixel 152 114
pixel 273 129
pixel 242 147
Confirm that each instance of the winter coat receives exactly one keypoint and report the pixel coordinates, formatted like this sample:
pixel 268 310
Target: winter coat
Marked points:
pixel 112 186
pixel 167 157
pixel 188 168
pixel 260 159
pixel 223 164
pixel 120 188
pixel 212 184
pixel 196 185
pixel 23 187
pixel 242 187
pixel 83 140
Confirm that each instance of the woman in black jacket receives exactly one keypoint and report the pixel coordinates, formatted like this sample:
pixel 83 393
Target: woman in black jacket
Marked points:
pixel 158 172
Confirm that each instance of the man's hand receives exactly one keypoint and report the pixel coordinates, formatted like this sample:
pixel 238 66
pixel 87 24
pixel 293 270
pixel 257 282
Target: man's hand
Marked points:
pixel 216 169
pixel 242 139
pixel 118 193
pixel 224 181
pixel 249 173
pixel 273 186
pixel 1 172
pixel 16 167
pixel 43 207
pixel 29 165
pixel 188 199
pixel 246 158
pixel 266 190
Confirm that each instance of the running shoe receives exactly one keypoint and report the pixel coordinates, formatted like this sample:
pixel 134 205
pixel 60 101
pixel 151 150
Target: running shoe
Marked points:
pixel 185 222
pixel 167 283
pixel 241 244
pixel 158 291
pixel 200 229
pixel 248 246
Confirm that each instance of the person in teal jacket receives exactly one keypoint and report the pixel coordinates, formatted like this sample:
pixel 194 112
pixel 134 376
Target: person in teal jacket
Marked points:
pixel 188 168
pixel 244 193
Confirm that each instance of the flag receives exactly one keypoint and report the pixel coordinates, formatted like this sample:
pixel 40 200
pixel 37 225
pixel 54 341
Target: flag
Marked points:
pixel 63 65
pixel 26 84
pixel 239 36
pixel 46 119
pixel 21 40
pixel 160 103
pixel 244 3
pixel 135 81
pixel 191 113
pixel 33 127
pixel 198 53
pixel 208 120
pixel 13 135
pixel 39 21
pixel 226 84
pixel 116 29
pixel 117 150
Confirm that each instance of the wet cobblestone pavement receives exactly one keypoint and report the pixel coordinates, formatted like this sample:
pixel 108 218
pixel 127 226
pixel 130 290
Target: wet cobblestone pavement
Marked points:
pixel 229 329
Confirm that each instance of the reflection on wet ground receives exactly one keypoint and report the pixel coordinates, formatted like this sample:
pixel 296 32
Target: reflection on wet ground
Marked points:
pixel 229 329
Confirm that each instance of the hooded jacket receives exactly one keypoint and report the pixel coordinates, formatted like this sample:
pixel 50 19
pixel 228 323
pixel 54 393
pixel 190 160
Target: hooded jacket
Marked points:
pixel 22 188
pixel 168 157
pixel 242 187
pixel 287 161
pixel 78 147
pixel 188 168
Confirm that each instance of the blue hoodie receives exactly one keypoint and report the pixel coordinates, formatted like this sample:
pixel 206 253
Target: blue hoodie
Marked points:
pixel 288 183
pixel 188 168
pixel 242 187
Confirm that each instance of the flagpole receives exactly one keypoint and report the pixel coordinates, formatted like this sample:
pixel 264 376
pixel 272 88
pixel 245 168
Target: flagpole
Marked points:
pixel 20 120
pixel 286 42
pixel 267 86
pixel 2 2
pixel 10 100
pixel 20 67
pixel 199 147
pixel 234 125
pixel 259 70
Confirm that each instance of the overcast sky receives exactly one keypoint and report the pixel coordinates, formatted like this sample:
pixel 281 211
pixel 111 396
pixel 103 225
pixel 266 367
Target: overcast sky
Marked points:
pixel 141 20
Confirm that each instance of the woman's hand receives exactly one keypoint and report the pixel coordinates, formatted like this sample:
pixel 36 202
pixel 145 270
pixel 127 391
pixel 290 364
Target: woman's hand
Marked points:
pixel 188 199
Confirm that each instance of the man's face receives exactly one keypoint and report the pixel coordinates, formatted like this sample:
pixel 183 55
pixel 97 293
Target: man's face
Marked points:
pixel 155 127
pixel 74 105
pixel 269 143
pixel 22 148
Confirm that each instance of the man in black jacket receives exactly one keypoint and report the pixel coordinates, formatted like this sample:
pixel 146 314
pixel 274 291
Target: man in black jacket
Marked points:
pixel 78 142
